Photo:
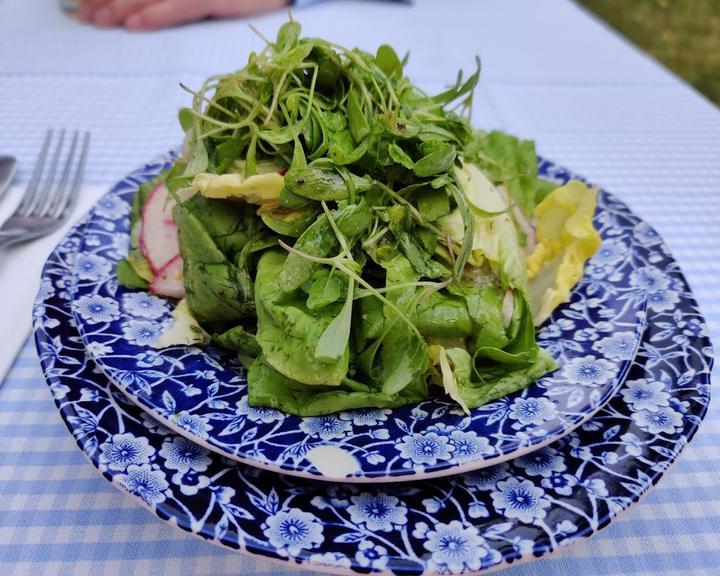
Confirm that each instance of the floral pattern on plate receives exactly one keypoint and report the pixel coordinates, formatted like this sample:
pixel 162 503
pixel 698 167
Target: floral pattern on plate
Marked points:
pixel 512 511
pixel 202 393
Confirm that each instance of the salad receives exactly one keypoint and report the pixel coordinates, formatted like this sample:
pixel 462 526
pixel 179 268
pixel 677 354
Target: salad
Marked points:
pixel 353 239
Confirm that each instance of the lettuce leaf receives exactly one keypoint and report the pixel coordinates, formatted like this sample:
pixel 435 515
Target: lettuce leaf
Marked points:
pixel 494 236
pixel 268 387
pixel 509 161
pixel 288 331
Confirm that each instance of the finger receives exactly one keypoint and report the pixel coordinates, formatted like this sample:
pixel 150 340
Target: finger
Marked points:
pixel 116 11
pixel 237 8
pixel 88 8
pixel 166 13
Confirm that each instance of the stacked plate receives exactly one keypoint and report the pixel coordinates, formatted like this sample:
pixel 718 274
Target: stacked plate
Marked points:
pixel 422 489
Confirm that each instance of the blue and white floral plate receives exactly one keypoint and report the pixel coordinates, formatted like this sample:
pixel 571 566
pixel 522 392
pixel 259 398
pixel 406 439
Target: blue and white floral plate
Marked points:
pixel 514 511
pixel 202 393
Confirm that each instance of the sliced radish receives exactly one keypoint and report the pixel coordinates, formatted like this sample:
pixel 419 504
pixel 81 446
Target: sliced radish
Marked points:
pixel 169 280
pixel 521 220
pixel 158 233
pixel 508 308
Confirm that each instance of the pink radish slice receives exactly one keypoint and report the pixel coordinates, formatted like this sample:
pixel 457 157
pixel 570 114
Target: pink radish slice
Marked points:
pixel 526 227
pixel 169 280
pixel 158 233
pixel 508 308
pixel 520 218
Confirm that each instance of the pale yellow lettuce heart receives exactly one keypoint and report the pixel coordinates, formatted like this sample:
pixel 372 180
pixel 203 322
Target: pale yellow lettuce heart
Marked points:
pixel 258 189
pixel 566 239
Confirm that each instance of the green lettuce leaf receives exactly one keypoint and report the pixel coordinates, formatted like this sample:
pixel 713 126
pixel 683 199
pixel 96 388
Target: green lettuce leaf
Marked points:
pixel 289 332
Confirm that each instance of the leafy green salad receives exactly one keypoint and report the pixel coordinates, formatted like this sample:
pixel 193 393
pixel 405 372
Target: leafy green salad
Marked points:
pixel 353 239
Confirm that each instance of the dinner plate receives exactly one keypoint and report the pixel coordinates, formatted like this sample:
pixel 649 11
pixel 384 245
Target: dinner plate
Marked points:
pixel 514 511
pixel 202 393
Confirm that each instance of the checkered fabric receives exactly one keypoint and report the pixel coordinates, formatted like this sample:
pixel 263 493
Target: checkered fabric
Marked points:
pixel 551 73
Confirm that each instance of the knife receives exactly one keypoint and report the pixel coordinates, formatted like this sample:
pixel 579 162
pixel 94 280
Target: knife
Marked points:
pixel 7 171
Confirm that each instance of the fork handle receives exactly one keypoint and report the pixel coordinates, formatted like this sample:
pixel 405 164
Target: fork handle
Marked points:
pixel 9 237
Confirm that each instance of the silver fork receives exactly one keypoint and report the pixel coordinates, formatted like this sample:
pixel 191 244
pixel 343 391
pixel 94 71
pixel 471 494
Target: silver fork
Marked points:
pixel 45 207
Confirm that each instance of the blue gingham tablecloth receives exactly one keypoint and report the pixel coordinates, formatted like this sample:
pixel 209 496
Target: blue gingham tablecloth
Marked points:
pixel 551 73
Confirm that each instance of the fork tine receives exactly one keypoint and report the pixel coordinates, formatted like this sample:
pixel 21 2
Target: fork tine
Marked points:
pixel 66 199
pixel 55 198
pixel 33 185
pixel 42 201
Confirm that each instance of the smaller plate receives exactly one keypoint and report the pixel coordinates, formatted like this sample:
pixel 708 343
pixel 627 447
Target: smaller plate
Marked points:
pixel 202 393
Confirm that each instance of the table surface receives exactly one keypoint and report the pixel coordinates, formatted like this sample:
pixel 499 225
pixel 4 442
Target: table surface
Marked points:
pixel 550 72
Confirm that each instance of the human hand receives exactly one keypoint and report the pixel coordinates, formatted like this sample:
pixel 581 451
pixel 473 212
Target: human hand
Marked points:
pixel 153 14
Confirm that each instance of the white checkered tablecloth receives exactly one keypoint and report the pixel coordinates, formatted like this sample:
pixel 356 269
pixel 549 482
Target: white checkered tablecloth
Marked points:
pixel 551 73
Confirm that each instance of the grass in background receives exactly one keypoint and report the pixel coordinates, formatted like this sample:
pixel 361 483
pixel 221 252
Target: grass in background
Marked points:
pixel 682 34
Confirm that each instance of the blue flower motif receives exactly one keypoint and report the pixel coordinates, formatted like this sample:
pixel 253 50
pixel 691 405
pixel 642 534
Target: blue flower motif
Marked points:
pixel 112 207
pixel 190 483
pixel 89 395
pixel 259 413
pixel 580 452
pixel 584 335
pixel 456 547
pixel 469 446
pixel 47 290
pixel 679 405
pixel 486 478
pixel 92 240
pixel 95 309
pixel 144 305
pixel 645 235
pixel 650 279
pixel 609 457
pixel 293 530
pixel 597 272
pixel 145 482
pixel 633 445
pixel 184 455
pixel 92 266
pixel 543 462
pixel 662 300
pixel 531 411
pixel 120 245
pixel 663 419
pixel 521 499
pixel 378 512
pixel 432 505
pixel 611 252
pixel 193 423
pixel 366 416
pixel 425 448
pixel 149 359
pixel 642 394
pixel 563 484
pixel 326 427
pixel 371 556
pixel 141 332
pixel 123 450
pixel 549 332
pixel 693 327
pixel 223 494
pixel 618 346
pixel 596 487
pixel 98 350
pixel 59 391
pixel 589 371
